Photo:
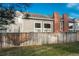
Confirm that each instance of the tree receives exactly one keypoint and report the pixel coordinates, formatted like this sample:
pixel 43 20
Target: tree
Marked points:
pixel 7 13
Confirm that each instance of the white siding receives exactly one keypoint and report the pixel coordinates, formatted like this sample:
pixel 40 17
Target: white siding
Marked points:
pixel 77 26
pixel 29 26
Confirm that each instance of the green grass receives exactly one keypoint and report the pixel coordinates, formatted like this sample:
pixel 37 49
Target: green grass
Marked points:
pixel 44 50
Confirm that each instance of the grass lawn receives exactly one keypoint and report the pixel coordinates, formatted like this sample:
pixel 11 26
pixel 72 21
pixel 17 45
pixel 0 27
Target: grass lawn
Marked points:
pixel 44 50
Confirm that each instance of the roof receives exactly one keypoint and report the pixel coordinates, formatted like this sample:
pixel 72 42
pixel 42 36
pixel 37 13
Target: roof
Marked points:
pixel 37 16
pixel 27 15
pixel 71 21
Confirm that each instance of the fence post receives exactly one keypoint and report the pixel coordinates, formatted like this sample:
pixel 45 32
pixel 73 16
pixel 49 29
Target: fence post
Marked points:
pixel 57 38
pixel 4 41
pixel 1 41
pixel 70 34
pixel 63 36
pixel 66 37
pixel 76 36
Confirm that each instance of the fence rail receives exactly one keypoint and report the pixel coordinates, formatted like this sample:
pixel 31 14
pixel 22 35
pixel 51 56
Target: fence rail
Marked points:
pixel 32 38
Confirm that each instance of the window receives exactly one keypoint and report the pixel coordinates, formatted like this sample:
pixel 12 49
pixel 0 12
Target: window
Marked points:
pixel 71 25
pixel 46 25
pixel 37 25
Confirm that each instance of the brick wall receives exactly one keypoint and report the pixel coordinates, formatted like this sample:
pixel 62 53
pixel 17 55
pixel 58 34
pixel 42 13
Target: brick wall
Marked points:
pixel 65 18
pixel 56 22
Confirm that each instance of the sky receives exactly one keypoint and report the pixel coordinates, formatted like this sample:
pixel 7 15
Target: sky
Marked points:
pixel 72 9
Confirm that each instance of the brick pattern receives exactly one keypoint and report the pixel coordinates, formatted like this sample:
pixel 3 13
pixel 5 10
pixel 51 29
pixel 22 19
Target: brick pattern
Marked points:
pixel 56 22
pixel 65 18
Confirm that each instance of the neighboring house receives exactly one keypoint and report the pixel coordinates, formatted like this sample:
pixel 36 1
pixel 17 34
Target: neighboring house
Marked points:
pixel 72 25
pixel 28 22
pixel 77 24
pixel 32 23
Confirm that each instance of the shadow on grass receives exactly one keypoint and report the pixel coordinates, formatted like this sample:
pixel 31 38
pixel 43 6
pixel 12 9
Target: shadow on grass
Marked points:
pixel 44 50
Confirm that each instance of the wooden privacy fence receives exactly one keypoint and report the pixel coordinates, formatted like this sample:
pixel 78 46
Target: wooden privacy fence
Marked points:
pixel 32 38
pixel 50 38
pixel 13 39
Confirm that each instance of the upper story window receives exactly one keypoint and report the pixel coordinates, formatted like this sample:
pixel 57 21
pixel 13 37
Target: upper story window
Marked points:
pixel 37 25
pixel 46 25
pixel 71 25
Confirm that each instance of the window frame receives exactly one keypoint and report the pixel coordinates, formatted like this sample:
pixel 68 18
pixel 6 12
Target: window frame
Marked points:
pixel 38 25
pixel 47 25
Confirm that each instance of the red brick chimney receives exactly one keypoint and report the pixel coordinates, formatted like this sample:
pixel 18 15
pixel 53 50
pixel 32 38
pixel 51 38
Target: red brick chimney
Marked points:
pixel 65 18
pixel 56 22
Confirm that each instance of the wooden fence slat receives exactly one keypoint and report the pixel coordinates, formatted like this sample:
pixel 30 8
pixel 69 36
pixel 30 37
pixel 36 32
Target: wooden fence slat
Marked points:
pixel 24 39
